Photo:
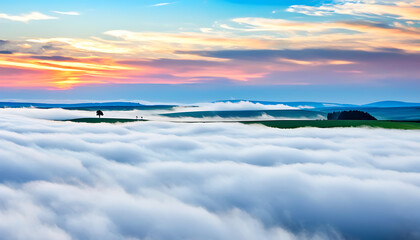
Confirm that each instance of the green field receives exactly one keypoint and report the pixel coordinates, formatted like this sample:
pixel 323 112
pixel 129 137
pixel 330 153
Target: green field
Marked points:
pixel 306 114
pixel 104 120
pixel 337 123
pixel 288 123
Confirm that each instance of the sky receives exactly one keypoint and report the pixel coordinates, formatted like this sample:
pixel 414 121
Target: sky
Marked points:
pixel 205 50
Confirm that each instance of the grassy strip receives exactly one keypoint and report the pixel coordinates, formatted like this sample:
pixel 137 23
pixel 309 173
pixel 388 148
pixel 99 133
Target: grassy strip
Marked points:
pixel 288 123
pixel 337 123
pixel 105 120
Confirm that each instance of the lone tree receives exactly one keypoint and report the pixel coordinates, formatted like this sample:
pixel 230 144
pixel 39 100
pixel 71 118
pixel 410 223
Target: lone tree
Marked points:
pixel 350 115
pixel 99 113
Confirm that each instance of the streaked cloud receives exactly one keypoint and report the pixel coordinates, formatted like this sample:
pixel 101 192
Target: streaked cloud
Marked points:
pixel 407 10
pixel 33 16
pixel 343 34
pixel 161 4
pixel 62 73
pixel 67 13
pixel 189 39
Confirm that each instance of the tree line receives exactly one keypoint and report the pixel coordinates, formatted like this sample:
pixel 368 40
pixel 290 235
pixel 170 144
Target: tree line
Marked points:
pixel 350 115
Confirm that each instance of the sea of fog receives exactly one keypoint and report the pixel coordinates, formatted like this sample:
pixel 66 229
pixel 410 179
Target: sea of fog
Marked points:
pixel 219 111
pixel 164 180
pixel 213 112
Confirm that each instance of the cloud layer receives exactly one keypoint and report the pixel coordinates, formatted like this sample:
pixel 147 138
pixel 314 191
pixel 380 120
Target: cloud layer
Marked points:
pixel 407 10
pixel 332 33
pixel 159 180
pixel 26 17
pixel 182 112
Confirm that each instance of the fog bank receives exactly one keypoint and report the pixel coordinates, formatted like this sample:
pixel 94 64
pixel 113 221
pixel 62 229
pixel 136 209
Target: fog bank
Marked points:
pixel 161 180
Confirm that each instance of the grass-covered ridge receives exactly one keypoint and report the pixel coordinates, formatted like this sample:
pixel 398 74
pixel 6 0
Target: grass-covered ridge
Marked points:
pixel 105 120
pixel 288 123
pixel 295 113
pixel 337 123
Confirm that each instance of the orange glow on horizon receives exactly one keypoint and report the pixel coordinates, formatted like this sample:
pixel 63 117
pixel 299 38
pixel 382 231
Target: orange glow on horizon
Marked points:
pixel 61 75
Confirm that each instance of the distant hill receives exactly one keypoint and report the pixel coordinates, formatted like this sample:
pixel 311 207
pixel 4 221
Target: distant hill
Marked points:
pixel 385 104
pixel 350 115
pixel 88 106
pixel 53 105
pixel 288 114
pixel 392 104
pixel 130 105
pixel 302 104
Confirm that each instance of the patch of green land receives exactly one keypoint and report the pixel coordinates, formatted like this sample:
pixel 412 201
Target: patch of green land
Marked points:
pixel 308 114
pixel 105 120
pixel 288 123
pixel 337 123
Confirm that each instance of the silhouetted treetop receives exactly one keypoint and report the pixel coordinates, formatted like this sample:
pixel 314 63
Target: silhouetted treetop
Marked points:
pixel 350 115
pixel 99 113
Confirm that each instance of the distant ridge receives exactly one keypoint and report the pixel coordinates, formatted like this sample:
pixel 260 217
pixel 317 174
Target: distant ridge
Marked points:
pixel 300 104
pixel 294 104
pixel 115 105
pixel 392 104
pixel 51 105
pixel 385 104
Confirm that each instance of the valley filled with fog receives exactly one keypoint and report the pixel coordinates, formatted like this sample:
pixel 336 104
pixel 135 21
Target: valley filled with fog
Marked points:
pixel 234 111
pixel 165 180
pixel 209 112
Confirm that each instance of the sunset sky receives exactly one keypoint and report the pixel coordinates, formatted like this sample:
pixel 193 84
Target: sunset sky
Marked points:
pixel 202 50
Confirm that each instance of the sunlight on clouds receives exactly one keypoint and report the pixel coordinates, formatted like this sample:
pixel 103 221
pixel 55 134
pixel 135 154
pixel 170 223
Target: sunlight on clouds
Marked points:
pixel 407 10
pixel 364 34
pixel 85 66
pixel 329 62
pixel 83 71
pixel 150 45
pixel 187 40
pixel 33 66
pixel 64 75
pixel 371 31
pixel 88 45
pixel 27 17
pixel 220 72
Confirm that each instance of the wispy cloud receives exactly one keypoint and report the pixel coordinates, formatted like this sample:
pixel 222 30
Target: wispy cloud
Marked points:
pixel 364 34
pixel 160 4
pixel 27 17
pixel 407 10
pixel 67 13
